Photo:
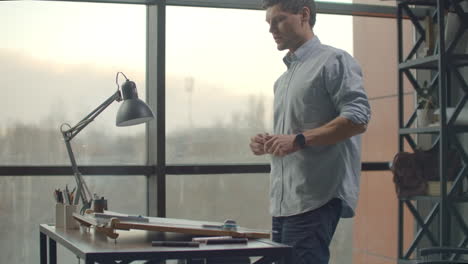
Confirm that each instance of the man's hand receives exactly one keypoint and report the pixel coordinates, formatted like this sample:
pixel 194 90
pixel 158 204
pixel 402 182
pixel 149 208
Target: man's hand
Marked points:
pixel 281 145
pixel 257 143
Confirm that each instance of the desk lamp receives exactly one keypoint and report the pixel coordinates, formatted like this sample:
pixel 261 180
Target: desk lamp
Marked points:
pixel 133 111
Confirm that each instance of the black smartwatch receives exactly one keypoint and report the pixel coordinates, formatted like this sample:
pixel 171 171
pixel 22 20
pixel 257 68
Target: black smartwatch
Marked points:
pixel 300 141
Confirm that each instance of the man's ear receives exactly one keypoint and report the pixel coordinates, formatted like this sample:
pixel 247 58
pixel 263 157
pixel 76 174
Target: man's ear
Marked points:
pixel 305 14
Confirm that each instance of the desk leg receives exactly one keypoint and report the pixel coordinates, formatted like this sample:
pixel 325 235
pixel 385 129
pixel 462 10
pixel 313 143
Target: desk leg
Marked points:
pixel 52 251
pixel 43 247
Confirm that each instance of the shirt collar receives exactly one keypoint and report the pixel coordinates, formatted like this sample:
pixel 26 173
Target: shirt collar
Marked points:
pixel 302 52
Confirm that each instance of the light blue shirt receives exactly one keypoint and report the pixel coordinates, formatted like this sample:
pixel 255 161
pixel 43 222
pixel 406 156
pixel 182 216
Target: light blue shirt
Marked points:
pixel 320 84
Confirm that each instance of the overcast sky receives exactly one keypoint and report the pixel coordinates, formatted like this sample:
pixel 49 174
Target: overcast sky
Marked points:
pixel 58 55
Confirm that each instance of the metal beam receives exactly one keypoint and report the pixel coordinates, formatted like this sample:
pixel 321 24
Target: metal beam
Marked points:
pixel 67 170
pixel 217 169
pixel 131 2
pixel 322 7
pixel 188 169
pixel 350 9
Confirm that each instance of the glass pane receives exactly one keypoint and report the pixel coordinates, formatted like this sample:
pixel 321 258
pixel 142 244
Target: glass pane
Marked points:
pixel 59 62
pixel 220 80
pixel 220 197
pixel 27 201
pixel 58 67
pixel 240 197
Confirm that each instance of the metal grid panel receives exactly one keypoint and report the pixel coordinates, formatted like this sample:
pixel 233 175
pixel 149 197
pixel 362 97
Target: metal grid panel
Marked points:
pixel 442 63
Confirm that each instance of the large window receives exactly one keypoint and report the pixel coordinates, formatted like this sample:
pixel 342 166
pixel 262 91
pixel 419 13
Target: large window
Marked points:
pixel 57 67
pixel 59 62
pixel 221 67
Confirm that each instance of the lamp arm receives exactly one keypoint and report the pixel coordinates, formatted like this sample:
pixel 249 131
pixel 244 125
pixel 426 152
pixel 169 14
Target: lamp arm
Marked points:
pixel 73 131
pixel 82 191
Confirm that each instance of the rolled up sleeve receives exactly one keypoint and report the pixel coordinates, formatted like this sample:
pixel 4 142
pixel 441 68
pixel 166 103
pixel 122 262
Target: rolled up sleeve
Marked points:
pixel 345 85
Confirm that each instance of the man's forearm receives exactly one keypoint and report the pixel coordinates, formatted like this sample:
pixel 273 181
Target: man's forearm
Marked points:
pixel 333 132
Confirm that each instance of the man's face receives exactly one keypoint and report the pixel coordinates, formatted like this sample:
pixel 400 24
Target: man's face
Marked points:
pixel 288 29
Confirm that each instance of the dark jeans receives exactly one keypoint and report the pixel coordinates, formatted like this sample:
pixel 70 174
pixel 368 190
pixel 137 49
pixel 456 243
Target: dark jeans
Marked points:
pixel 309 233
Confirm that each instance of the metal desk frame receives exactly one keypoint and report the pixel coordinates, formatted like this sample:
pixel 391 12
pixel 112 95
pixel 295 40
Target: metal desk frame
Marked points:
pixel 268 251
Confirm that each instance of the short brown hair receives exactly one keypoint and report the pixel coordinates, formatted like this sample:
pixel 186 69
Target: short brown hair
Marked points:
pixel 294 6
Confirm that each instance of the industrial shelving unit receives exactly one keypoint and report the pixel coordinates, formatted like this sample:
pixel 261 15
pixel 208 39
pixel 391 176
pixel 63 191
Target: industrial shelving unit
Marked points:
pixel 436 56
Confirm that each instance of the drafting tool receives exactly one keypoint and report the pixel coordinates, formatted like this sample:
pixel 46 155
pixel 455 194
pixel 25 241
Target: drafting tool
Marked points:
pixel 127 218
pixel 111 221
pixel 175 244
pixel 204 239
pixel 221 240
pixel 235 240
pixel 227 225
pixel 72 195
pixel 66 195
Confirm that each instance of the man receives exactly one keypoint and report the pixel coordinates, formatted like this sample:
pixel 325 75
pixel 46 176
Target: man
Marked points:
pixel 320 108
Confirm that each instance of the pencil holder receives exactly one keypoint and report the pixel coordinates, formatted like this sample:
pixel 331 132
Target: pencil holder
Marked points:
pixel 70 222
pixel 59 215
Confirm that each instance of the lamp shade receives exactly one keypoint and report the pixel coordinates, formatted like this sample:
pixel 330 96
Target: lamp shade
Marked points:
pixel 133 111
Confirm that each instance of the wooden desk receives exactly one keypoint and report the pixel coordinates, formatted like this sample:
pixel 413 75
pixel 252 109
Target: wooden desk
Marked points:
pixel 136 245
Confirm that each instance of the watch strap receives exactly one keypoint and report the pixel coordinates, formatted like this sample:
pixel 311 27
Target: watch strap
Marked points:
pixel 300 140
